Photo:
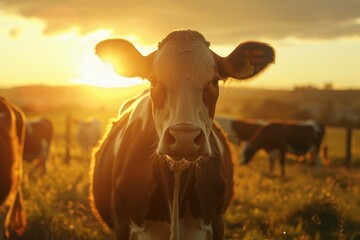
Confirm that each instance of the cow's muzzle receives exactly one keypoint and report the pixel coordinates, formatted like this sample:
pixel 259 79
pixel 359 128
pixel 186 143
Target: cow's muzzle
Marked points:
pixel 184 141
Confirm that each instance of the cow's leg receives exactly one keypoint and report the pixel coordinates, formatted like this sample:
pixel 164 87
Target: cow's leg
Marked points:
pixel 272 156
pixel 218 228
pixel 3 212
pixel 44 154
pixel 282 163
pixel 16 218
pixel 122 231
pixel 315 159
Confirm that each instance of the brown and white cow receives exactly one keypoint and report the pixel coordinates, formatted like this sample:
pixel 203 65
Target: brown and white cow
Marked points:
pixel 38 136
pixel 12 130
pixel 279 137
pixel 164 170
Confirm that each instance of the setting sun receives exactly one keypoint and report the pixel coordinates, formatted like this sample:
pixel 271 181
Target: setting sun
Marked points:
pixel 96 73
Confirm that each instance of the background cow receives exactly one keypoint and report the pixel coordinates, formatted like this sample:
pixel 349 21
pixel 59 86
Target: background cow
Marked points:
pixel 280 137
pixel 12 130
pixel 88 135
pixel 164 170
pixel 38 136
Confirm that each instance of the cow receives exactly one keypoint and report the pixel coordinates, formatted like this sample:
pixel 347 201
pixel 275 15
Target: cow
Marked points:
pixel 12 130
pixel 38 137
pixel 164 169
pixel 279 137
pixel 88 134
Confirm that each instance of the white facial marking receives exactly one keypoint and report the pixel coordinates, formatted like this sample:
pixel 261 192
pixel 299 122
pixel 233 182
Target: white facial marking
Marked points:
pixel 184 68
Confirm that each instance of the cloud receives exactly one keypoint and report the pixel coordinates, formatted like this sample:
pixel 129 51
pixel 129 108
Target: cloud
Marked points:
pixel 221 22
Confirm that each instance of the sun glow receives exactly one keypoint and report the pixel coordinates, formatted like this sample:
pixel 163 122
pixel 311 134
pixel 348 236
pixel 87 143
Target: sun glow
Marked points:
pixel 96 73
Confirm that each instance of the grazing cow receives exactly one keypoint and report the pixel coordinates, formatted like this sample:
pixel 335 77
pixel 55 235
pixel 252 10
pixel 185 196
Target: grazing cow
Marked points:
pixel 38 137
pixel 88 135
pixel 164 170
pixel 12 130
pixel 281 137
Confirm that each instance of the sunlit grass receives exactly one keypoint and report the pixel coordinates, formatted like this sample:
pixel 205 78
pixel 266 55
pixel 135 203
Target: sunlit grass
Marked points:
pixel 301 206
pixel 57 203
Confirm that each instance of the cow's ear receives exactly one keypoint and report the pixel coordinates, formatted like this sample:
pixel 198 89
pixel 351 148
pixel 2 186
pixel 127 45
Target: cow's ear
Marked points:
pixel 124 57
pixel 247 60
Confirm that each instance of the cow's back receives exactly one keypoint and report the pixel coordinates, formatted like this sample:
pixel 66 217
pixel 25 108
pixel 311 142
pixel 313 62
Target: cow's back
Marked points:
pixel 299 137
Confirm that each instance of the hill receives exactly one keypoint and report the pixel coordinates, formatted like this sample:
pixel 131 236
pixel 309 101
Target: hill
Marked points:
pixel 332 107
pixel 45 98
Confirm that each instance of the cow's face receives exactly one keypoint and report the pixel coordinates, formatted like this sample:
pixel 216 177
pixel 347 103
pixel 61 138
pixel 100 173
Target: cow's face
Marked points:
pixel 184 75
pixel 184 90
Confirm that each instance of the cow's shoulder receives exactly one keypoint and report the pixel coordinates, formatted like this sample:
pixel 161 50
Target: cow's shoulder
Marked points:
pixel 129 148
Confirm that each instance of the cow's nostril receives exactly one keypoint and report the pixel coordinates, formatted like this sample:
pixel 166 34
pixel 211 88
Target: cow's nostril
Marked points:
pixel 169 138
pixel 199 139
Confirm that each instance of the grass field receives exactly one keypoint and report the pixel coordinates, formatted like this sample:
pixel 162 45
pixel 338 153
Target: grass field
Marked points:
pixel 301 206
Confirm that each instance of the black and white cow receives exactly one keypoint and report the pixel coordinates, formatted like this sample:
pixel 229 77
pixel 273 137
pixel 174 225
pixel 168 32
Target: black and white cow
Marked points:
pixel 164 170
pixel 280 137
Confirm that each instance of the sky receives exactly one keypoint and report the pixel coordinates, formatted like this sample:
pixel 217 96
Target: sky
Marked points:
pixel 52 42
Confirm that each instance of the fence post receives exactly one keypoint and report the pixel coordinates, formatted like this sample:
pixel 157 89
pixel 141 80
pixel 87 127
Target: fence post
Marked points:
pixel 67 139
pixel 348 147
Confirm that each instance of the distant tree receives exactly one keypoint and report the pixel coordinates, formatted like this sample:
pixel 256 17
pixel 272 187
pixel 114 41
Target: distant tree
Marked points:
pixel 305 88
pixel 328 86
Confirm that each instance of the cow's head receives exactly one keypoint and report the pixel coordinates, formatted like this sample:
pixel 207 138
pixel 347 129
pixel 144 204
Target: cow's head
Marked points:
pixel 184 75
pixel 247 152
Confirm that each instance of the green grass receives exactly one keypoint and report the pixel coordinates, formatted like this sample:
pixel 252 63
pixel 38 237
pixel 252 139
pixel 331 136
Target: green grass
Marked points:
pixel 57 204
pixel 301 206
